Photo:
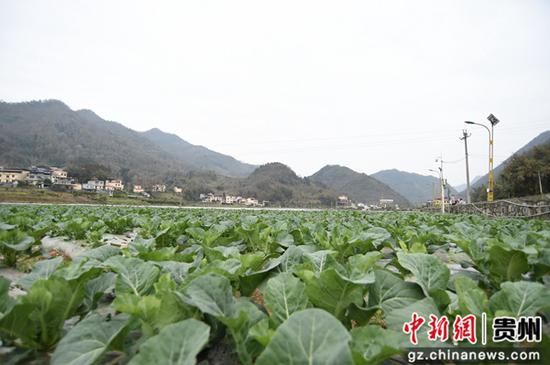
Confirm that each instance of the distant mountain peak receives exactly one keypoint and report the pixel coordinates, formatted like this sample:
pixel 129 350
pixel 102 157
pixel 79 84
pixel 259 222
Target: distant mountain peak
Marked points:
pixel 335 166
pixel 278 167
pixel 49 102
pixel 275 171
pixel 89 114
pixel 40 103
pixel 417 188
pixel 158 131
pixel 198 157
pixel 397 171
pixel 338 169
pixel 358 186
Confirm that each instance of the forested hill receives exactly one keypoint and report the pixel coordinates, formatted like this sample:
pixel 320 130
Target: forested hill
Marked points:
pixel 417 188
pixel 198 157
pixel 541 139
pixel 524 174
pixel 359 187
pixel 50 133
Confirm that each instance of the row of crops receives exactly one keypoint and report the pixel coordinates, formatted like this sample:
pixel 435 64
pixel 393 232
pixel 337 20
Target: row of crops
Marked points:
pixel 235 286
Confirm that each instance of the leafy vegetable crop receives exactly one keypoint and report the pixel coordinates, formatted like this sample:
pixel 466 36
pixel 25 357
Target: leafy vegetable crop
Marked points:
pixel 270 287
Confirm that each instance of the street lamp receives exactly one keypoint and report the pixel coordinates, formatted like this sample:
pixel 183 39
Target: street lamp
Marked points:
pixel 442 185
pixel 491 183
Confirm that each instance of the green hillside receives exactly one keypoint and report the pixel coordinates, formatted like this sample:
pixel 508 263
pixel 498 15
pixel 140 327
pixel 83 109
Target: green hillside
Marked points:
pixel 50 133
pixel 198 157
pixel 359 187
pixel 417 188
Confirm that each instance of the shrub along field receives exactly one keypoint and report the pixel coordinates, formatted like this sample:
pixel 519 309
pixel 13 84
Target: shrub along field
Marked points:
pixel 178 286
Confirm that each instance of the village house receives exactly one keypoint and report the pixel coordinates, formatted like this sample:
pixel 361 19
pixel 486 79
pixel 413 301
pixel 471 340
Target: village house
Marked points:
pixel 66 182
pixel 386 203
pixel 12 175
pixel 211 198
pixel 94 185
pixel 230 199
pixel 39 175
pixel 114 185
pixel 138 189
pixel 344 201
pixel 251 202
pixel 58 174
pixel 159 188
pixel 178 190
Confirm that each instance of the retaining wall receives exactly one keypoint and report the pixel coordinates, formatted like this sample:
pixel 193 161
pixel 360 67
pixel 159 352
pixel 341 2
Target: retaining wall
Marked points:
pixel 528 207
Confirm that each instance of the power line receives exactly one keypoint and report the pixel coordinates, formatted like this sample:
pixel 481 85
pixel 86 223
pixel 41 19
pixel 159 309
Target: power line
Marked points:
pixel 455 161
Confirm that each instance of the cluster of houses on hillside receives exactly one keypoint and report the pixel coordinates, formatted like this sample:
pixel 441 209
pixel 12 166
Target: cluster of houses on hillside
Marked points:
pixel 44 177
pixel 37 175
pixel 51 177
pixel 232 200
pixel 102 185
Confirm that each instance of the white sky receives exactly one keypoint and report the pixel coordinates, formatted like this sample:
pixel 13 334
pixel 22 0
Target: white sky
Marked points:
pixel 367 84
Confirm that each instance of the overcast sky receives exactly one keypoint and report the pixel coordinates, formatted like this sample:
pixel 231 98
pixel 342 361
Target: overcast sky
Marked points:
pixel 370 85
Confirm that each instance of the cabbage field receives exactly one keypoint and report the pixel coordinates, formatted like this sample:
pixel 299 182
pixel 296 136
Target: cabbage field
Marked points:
pixel 118 285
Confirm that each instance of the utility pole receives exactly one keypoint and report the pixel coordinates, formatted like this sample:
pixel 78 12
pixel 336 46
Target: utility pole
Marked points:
pixel 442 188
pixel 464 137
pixel 442 184
pixel 540 183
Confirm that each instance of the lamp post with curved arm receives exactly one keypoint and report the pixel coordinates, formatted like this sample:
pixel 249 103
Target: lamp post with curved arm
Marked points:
pixel 491 180
pixel 441 184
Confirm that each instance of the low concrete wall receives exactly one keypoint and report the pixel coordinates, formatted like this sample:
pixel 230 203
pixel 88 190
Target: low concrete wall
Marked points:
pixel 528 207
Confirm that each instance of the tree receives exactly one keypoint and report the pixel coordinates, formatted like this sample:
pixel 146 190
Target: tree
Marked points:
pixel 520 177
pixel 86 172
pixel 124 175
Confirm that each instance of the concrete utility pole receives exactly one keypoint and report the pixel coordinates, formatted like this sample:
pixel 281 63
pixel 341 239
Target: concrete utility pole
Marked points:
pixel 540 183
pixel 464 137
pixel 442 187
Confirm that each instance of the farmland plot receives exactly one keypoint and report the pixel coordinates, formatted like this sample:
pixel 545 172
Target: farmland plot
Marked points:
pixel 174 286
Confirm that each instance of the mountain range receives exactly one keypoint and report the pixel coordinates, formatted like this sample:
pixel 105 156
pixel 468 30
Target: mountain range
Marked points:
pixel 50 133
pixel 417 188
pixel 359 187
